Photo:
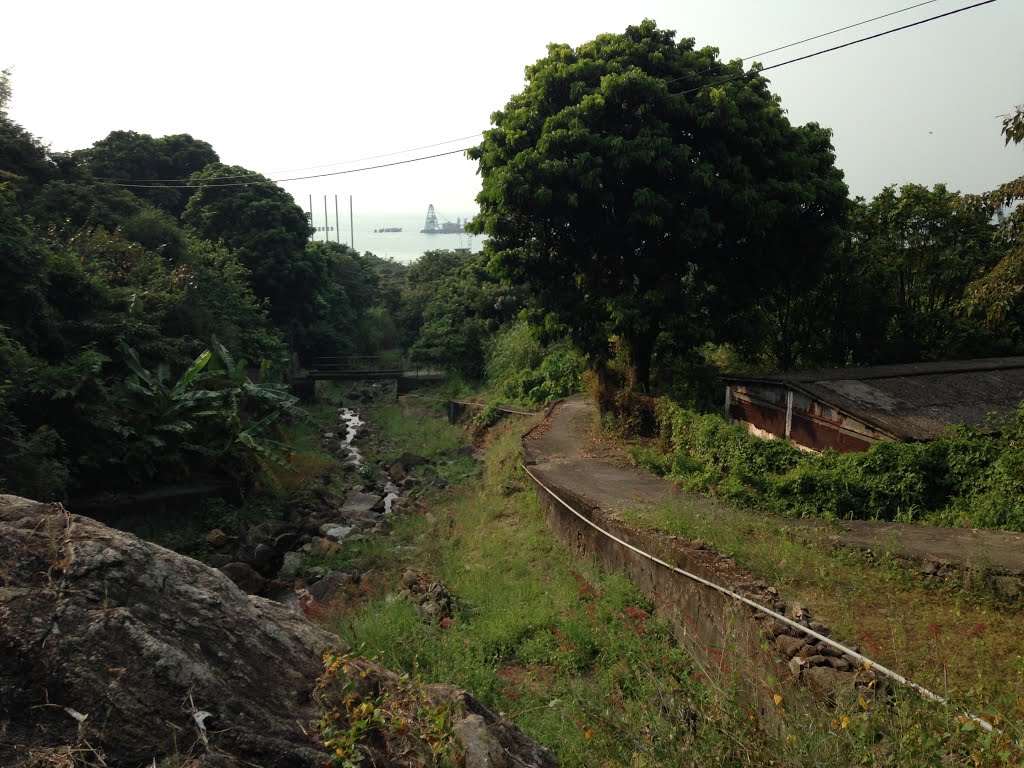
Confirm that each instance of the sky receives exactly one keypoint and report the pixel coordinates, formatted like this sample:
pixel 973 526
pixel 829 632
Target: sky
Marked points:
pixel 319 87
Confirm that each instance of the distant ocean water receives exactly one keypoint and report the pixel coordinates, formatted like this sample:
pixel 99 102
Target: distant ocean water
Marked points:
pixel 405 246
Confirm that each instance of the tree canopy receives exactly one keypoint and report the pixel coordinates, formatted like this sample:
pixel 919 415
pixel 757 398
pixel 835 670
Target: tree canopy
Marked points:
pixel 638 185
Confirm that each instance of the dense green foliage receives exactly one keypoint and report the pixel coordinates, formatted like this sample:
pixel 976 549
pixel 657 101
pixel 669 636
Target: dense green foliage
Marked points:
pixel 963 479
pixel 108 294
pixel 640 185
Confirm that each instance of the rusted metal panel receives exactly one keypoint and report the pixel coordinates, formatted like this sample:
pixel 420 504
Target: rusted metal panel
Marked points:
pixel 820 435
pixel 760 407
pixel 778 411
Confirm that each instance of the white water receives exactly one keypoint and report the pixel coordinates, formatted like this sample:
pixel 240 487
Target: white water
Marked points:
pixel 350 419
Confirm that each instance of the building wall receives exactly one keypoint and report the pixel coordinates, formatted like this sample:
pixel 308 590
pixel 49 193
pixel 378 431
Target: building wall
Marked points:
pixel 776 411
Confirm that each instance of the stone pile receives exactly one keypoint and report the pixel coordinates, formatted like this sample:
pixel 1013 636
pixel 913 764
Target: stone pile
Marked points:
pixel 813 662
pixel 430 596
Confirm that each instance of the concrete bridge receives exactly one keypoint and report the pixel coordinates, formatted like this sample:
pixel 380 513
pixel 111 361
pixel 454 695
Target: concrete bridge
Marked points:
pixel 361 367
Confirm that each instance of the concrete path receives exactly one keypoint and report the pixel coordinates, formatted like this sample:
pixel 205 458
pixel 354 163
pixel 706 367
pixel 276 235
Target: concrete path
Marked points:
pixel 566 454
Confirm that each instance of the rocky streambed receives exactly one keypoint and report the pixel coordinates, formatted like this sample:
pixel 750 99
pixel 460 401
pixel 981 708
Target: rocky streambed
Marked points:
pixel 116 651
pixel 358 501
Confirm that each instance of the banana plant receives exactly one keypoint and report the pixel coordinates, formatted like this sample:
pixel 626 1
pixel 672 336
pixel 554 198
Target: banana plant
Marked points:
pixel 212 412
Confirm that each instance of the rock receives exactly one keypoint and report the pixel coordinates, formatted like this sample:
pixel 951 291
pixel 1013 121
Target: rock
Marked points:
pixel 263 556
pixel 397 472
pixel 216 538
pixel 218 560
pixel 817 660
pixel 796 666
pixel 439 482
pixel 321 546
pixel 290 565
pixel 327 587
pixel 790 646
pixel 245 577
pixel 840 665
pixel 357 501
pixel 335 532
pixel 286 542
pixel 823 680
pixel 485 739
pixel 929 568
pixel 799 613
pixel 773 628
pixel 821 629
pixel 134 636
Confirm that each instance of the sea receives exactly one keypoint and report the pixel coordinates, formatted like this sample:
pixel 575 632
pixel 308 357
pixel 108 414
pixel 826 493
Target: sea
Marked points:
pixel 363 233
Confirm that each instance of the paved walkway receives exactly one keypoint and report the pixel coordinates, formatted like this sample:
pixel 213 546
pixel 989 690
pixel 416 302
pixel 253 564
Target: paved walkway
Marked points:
pixel 565 454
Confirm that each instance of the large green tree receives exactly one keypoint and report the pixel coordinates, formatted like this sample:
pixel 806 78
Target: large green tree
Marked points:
pixel 262 225
pixel 639 184
pixel 138 158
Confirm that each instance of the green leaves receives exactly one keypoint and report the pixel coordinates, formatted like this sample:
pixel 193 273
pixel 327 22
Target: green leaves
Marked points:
pixel 608 184
pixel 213 418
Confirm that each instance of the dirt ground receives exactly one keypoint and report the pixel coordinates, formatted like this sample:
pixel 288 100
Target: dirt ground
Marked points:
pixel 565 453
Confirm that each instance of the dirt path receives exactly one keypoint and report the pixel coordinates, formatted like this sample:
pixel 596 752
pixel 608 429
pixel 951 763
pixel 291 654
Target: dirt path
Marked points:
pixel 565 454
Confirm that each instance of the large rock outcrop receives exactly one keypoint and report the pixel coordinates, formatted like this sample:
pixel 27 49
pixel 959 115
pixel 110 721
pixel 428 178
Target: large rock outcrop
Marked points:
pixel 117 652
pixel 140 641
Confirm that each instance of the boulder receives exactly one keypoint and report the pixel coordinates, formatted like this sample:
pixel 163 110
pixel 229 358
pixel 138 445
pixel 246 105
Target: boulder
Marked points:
pixel 357 501
pixel 149 647
pixel 291 562
pixel 326 588
pixel 286 542
pixel 245 577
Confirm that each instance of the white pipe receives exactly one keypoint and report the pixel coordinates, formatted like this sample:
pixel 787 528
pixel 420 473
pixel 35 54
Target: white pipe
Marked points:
pixel 869 663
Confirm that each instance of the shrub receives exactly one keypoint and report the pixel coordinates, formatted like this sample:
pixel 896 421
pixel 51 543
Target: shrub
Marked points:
pixel 962 478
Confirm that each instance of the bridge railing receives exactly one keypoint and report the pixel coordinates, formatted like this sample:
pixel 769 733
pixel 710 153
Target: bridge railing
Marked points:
pixel 354 363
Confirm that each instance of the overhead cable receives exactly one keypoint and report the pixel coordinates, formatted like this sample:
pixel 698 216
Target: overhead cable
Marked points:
pixel 296 170
pixel 840 29
pixel 754 73
pixel 197 183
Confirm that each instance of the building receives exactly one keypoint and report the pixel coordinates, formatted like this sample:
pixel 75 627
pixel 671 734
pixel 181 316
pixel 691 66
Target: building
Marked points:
pixel 848 409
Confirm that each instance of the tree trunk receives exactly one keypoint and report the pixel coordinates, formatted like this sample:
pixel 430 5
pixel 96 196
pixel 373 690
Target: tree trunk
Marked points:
pixel 640 348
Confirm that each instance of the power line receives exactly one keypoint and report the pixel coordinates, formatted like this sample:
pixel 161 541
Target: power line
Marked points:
pixel 295 170
pixel 840 29
pixel 835 47
pixel 199 182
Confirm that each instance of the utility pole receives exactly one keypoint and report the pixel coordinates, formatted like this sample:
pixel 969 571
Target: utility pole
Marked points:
pixel 311 217
pixel 351 224
pixel 326 234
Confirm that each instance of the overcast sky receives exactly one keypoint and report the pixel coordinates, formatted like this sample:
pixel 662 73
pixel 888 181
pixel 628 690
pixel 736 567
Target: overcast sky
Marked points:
pixel 276 87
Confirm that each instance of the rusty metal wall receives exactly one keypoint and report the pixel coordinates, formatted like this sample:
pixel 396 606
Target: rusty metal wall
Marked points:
pixel 812 423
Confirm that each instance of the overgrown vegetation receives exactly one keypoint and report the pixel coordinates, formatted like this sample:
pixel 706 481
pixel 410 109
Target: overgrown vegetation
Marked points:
pixel 577 658
pixel 966 478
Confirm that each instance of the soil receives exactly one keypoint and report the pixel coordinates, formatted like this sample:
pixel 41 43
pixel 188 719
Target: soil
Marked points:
pixel 565 453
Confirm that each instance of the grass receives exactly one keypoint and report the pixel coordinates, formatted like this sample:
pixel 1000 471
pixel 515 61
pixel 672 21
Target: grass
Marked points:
pixel 951 636
pixel 576 658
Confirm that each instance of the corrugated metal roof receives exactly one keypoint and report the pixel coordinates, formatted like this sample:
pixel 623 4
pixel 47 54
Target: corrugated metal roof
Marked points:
pixel 918 401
